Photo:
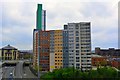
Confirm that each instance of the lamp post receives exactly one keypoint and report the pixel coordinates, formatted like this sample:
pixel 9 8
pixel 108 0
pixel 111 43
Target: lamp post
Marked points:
pixel 38 55
pixel 38 62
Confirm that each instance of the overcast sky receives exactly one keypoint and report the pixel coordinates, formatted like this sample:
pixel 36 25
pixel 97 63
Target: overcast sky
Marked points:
pixel 18 19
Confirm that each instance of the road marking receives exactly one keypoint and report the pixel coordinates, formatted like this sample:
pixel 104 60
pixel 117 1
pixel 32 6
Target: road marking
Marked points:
pixel 13 72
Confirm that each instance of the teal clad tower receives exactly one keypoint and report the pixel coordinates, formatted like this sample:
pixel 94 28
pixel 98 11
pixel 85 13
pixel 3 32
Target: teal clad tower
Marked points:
pixel 39 17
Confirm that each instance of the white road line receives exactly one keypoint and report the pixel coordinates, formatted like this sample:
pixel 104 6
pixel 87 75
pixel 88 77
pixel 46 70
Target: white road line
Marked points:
pixel 1 73
pixel 13 72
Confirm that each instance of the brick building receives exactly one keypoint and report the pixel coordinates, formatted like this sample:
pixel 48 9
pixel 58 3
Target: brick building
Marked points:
pixel 99 61
pixel 42 46
pixel 115 63
pixel 107 52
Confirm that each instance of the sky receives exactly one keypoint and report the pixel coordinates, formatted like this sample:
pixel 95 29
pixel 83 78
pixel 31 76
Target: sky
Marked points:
pixel 18 19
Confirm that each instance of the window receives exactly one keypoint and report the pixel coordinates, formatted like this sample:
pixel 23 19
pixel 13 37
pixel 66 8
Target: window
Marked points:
pixel 77 39
pixel 77 47
pixel 77 44
pixel 65 26
pixel 77 57
pixel 77 27
pixel 77 32
pixel 77 51
pixel 77 65
pixel 55 66
pixel 77 60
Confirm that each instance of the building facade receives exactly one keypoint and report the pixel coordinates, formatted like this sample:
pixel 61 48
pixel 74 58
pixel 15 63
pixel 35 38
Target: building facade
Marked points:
pixel 52 51
pixel 44 50
pixel 79 42
pixel 65 48
pixel 56 49
pixel 41 49
pixel 9 53
pixel 99 61
pixel 115 63
pixel 108 52
pixel 35 47
pixel 40 27
pixel 70 47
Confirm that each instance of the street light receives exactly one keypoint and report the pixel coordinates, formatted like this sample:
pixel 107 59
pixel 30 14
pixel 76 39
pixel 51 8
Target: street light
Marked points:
pixel 38 62
pixel 38 55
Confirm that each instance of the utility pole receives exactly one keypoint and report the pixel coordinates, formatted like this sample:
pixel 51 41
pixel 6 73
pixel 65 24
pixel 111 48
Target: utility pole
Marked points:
pixel 38 55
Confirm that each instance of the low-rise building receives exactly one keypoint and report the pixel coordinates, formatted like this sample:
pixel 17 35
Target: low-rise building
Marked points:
pixel 108 52
pixel 9 53
pixel 25 54
pixel 99 60
pixel 115 63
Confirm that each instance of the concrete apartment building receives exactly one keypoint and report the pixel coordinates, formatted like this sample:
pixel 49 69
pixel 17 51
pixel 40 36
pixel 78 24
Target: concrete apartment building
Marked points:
pixel 35 47
pixel 40 27
pixel 44 49
pixel 79 42
pixel 54 49
pixel 70 47
pixel 41 49
pixel 65 48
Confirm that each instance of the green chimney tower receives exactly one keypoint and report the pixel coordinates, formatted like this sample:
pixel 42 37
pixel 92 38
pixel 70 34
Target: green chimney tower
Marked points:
pixel 39 17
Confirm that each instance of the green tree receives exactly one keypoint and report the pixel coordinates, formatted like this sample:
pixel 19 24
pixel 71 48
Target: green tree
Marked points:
pixel 75 74
pixel 103 63
pixel 36 68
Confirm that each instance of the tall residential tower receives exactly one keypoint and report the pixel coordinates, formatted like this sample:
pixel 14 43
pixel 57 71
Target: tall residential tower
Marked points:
pixel 38 33
pixel 79 42
pixel 56 49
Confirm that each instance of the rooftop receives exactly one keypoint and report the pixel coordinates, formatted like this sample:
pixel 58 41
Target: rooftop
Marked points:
pixel 9 47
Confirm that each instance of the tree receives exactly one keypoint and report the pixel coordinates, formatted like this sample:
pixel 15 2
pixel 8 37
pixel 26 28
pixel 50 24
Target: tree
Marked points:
pixel 36 68
pixel 70 73
pixel 103 63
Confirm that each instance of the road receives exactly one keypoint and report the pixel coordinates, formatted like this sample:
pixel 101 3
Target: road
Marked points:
pixel 0 69
pixel 28 73
pixel 18 71
pixel 7 71
pixel 0 73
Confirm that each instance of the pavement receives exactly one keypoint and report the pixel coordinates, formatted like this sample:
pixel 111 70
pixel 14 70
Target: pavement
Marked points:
pixel 7 72
pixel 17 72
pixel 0 73
pixel 28 73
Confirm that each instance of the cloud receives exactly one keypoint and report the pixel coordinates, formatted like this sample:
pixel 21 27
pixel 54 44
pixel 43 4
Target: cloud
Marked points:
pixel 103 17
pixel 19 20
pixel 18 24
